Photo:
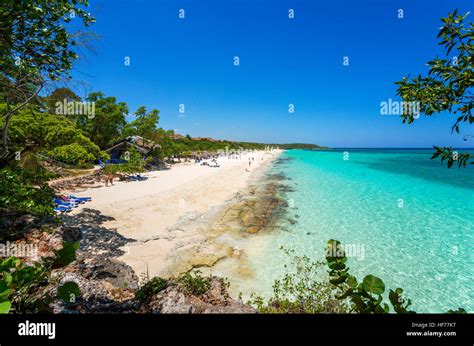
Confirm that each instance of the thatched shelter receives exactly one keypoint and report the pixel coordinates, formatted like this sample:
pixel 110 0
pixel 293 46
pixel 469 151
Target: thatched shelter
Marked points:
pixel 142 145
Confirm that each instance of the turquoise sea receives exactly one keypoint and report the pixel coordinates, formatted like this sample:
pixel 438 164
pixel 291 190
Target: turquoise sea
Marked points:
pixel 412 217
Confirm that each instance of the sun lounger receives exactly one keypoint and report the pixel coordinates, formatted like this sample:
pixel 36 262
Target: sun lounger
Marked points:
pixel 71 200
pixel 60 202
pixel 83 198
pixel 62 209
pixel 137 178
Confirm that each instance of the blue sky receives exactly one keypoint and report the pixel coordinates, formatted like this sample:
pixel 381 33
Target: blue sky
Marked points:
pixel 282 61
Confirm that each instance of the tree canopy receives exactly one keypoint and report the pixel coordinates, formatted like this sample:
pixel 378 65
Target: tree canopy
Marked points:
pixel 448 83
pixel 36 46
pixel 51 135
pixel 145 124
pixel 108 122
pixel 59 95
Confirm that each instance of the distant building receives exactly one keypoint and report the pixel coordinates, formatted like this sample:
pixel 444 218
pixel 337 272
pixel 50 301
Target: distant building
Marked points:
pixel 178 136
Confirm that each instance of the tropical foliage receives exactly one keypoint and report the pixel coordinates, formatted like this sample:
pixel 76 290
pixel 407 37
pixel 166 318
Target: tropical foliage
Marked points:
pixel 366 296
pixel 28 289
pixel 195 283
pixel 108 122
pixel 302 290
pixel 133 163
pixel 23 190
pixel 448 83
pixel 150 288
pixel 37 45
pixel 52 135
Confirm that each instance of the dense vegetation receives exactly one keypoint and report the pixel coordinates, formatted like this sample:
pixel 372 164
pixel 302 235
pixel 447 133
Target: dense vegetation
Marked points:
pixel 52 135
pixel 25 191
pixel 38 45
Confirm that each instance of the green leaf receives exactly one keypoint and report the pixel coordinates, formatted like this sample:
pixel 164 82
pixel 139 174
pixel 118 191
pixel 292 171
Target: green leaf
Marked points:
pixel 352 281
pixel 373 284
pixel 7 277
pixel 5 307
pixel 359 303
pixel 338 280
pixel 335 255
pixel 69 291
pixel 458 311
pixel 4 290
pixel 66 255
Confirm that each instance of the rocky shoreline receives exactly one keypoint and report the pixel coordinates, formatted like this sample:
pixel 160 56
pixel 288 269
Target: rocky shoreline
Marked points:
pixel 108 285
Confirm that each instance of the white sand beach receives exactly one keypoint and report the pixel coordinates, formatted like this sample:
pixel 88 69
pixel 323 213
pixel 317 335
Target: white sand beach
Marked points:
pixel 172 215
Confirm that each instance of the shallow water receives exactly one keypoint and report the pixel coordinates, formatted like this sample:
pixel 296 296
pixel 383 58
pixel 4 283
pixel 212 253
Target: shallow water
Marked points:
pixel 409 218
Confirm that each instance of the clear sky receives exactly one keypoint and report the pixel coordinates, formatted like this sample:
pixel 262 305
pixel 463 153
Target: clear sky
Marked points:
pixel 283 61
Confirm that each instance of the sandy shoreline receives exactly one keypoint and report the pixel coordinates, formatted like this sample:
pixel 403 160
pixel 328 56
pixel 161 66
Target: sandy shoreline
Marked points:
pixel 175 217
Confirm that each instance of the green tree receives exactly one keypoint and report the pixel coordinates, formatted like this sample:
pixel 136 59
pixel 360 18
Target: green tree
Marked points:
pixel 59 95
pixel 145 124
pixel 108 123
pixel 37 45
pixel 49 134
pixel 448 84
pixel 134 163
pixel 166 141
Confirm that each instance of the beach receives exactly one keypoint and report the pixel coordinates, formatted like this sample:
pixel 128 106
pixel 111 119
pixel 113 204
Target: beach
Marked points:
pixel 173 220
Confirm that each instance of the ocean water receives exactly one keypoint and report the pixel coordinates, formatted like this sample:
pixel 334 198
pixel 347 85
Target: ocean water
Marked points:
pixel 409 219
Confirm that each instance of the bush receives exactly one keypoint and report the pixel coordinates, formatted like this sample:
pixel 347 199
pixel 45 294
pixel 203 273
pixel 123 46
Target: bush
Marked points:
pixel 301 291
pixel 195 285
pixel 72 154
pixel 134 163
pixel 152 287
pixel 20 190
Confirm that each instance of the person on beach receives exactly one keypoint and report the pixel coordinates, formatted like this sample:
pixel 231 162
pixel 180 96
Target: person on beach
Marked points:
pixel 109 178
